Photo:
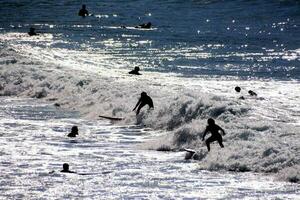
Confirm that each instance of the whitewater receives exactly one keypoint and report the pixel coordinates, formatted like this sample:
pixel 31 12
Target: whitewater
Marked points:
pixel 191 60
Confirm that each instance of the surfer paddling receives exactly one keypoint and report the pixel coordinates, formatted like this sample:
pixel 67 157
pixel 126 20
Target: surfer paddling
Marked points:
pixel 145 25
pixel 135 71
pixel 215 135
pixel 144 100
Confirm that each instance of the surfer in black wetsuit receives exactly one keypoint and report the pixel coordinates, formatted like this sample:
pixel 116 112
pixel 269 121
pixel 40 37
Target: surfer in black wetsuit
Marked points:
pixel 74 132
pixel 135 71
pixel 215 135
pixel 144 100
pixel 238 90
pixel 66 169
pixel 32 32
pixel 146 25
pixel 252 93
pixel 83 11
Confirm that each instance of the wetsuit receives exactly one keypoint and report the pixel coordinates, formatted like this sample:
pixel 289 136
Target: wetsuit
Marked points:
pixel 215 135
pixel 144 100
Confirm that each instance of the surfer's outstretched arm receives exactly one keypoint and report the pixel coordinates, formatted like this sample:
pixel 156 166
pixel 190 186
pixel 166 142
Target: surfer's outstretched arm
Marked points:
pixel 137 104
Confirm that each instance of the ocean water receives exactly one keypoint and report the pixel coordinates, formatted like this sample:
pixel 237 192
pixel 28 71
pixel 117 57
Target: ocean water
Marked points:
pixel 191 60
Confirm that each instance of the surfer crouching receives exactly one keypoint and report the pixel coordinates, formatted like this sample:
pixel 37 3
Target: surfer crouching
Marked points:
pixel 215 135
pixel 144 100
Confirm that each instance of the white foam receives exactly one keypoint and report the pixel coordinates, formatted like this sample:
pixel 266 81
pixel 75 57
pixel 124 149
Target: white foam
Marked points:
pixel 262 133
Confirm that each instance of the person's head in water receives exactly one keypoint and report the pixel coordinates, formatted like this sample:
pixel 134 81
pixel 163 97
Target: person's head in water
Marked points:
pixel 211 122
pixel 66 167
pixel 136 69
pixel 74 132
pixel 84 6
pixel 237 89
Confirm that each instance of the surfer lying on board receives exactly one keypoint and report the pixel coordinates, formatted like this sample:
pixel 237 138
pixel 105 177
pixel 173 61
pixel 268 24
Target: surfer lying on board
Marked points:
pixel 144 100
pixel 145 25
pixel 215 135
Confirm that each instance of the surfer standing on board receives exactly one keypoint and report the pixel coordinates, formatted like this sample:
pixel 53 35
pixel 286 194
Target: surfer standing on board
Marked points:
pixel 144 100
pixel 215 135
pixel 83 11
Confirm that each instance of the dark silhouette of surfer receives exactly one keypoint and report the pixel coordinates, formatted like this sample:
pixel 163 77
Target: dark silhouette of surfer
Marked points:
pixel 74 132
pixel 66 169
pixel 135 71
pixel 145 25
pixel 252 93
pixel 215 135
pixel 144 100
pixel 238 90
pixel 32 32
pixel 83 11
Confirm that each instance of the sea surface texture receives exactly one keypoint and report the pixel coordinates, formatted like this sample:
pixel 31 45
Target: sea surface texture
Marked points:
pixel 191 59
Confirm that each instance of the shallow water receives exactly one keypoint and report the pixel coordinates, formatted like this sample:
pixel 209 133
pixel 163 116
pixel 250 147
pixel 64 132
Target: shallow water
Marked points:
pixel 34 143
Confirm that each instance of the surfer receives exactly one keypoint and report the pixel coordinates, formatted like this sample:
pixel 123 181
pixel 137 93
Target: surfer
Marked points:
pixel 135 71
pixel 83 11
pixel 238 90
pixel 74 132
pixel 252 93
pixel 144 100
pixel 215 135
pixel 32 32
pixel 145 25
pixel 66 169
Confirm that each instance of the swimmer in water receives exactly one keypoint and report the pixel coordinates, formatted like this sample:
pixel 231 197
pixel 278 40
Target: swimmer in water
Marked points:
pixel 66 169
pixel 74 132
pixel 135 71
pixel 83 11
pixel 32 32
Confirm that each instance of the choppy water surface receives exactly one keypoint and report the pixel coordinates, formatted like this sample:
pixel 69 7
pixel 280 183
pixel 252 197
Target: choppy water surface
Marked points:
pixel 35 143
pixel 247 39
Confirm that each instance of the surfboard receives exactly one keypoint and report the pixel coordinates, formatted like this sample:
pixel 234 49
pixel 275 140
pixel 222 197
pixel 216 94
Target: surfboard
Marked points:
pixel 111 118
pixel 190 154
pixel 190 150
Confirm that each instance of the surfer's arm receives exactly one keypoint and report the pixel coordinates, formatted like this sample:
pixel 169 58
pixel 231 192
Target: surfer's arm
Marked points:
pixel 137 104
pixel 204 134
pixel 222 130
